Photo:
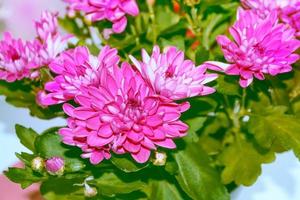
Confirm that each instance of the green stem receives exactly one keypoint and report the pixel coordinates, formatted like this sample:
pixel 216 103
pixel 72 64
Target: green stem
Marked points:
pixel 243 102
pixel 153 21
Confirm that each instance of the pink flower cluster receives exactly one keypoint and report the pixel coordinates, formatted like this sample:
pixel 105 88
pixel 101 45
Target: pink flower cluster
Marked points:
pixel 112 10
pixel 120 109
pixel 172 76
pixel 76 68
pixel 288 10
pixel 19 59
pixel 50 40
pixel 261 46
pixel 291 15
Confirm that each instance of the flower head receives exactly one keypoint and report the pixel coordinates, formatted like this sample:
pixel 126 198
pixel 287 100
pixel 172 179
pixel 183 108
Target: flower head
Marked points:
pixel 55 165
pixel 18 59
pixel 172 76
pixel 51 42
pixel 47 25
pixel 288 10
pixel 261 46
pixel 124 115
pixel 76 68
pixel 112 10
pixel 291 16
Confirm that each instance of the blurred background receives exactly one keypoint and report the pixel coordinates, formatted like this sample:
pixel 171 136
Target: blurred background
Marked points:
pixel 280 180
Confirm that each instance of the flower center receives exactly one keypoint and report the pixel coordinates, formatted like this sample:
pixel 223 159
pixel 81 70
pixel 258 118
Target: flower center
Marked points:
pixel 170 72
pixel 14 54
pixel 133 113
pixel 133 103
pixel 259 49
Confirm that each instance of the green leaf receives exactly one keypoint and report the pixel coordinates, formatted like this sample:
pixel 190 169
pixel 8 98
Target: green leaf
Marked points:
pixel 210 145
pixel 165 18
pixel 26 136
pixel 25 176
pixel 163 190
pixel 274 125
pixel 199 107
pixel 243 162
pixel 49 144
pixel 126 164
pixel 202 55
pixel 216 123
pixel 294 85
pixel 22 94
pixel 62 189
pixel 110 184
pixel 195 124
pixel 210 24
pixel 228 86
pixel 196 177
pixel 177 41
pixel 25 157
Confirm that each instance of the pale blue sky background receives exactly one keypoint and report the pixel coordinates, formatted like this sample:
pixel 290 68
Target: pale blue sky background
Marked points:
pixel 280 180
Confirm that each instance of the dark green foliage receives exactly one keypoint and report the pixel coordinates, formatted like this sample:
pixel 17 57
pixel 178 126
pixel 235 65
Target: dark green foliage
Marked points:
pixel 232 132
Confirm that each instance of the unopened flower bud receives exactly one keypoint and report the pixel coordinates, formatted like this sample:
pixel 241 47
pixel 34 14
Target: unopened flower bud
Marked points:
pixel 55 166
pixel 160 158
pixel 37 164
pixel 90 191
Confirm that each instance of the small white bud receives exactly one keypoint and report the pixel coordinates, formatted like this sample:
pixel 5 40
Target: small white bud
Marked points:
pixel 160 158
pixel 90 191
pixel 246 118
pixel 37 164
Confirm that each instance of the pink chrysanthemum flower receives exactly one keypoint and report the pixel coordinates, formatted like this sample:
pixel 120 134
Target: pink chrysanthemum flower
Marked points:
pixel 291 16
pixel 18 59
pixel 288 10
pixel 47 25
pixel 261 46
pixel 122 114
pixel 76 68
pixel 172 76
pixel 112 10
pixel 52 43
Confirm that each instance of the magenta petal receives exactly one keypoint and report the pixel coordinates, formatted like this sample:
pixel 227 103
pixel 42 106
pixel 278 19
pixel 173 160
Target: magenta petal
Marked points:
pixel 96 158
pixel 68 109
pixel 135 137
pixel 148 143
pixel 105 131
pixel 93 123
pixel 119 26
pixel 167 143
pixel 96 141
pixel 154 120
pixel 83 100
pixel 245 82
pixel 65 132
pixel 171 116
pixel 130 6
pixel 142 156
pixel 84 113
pixel 131 147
